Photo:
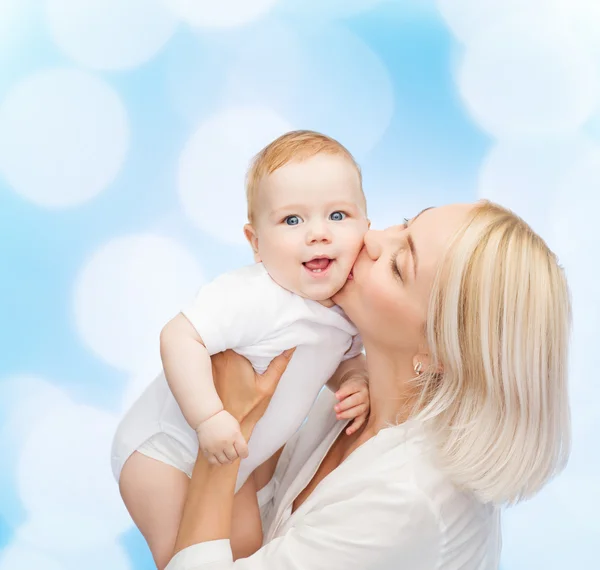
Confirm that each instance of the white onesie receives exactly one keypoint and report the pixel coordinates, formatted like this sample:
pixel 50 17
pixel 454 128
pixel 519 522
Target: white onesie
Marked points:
pixel 245 310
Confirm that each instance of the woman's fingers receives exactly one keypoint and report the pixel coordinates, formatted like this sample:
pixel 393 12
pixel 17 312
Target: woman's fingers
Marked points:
pixel 274 372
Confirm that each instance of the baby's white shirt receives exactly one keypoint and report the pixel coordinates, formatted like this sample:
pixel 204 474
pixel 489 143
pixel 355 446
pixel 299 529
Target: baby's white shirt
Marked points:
pixel 245 310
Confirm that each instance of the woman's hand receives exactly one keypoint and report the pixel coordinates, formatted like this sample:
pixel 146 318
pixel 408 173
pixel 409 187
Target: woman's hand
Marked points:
pixel 245 393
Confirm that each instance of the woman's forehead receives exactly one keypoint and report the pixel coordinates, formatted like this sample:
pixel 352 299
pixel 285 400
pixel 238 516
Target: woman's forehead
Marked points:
pixel 433 230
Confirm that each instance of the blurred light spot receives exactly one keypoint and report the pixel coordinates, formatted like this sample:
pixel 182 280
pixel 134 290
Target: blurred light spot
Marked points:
pixel 524 176
pixel 126 293
pixel 63 137
pixel 19 556
pixel 110 34
pixel 64 467
pixel 523 81
pixel 536 533
pixel 469 19
pixel 583 17
pixel 24 399
pixel 577 208
pixel 9 16
pixel 316 9
pixel 327 80
pixel 220 13
pixel 213 165
pixel 23 555
pixel 136 385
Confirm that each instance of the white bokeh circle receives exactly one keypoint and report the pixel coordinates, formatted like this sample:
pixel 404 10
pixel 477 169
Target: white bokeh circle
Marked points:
pixel 553 528
pixel 316 9
pixel 221 13
pixel 64 135
pixel 9 20
pixel 135 386
pixel 110 34
pixel 526 175
pixel 23 400
pixel 583 17
pixel 576 210
pixel 21 556
pixel 520 81
pixel 328 79
pixel 468 19
pixel 126 293
pixel 213 165
pixel 577 242
pixel 64 467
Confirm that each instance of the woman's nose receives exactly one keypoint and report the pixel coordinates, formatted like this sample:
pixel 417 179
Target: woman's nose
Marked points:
pixel 373 244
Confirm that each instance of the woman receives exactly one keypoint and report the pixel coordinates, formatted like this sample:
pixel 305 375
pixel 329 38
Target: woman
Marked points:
pixel 464 314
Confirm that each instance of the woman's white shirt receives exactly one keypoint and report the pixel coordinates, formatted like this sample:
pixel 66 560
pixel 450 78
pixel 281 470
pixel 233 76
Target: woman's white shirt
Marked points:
pixel 386 507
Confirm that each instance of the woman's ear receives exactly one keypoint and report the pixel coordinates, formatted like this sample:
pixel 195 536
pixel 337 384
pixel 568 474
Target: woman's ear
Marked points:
pixel 422 362
pixel 252 238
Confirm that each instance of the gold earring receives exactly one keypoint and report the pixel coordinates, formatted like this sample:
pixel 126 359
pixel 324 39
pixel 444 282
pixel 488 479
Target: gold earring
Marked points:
pixel 418 368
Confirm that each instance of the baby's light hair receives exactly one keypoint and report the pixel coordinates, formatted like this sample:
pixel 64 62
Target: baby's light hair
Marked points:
pixel 498 328
pixel 294 145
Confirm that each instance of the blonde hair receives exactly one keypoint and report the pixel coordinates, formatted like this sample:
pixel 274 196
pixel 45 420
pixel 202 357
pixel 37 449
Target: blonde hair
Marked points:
pixel 498 326
pixel 294 145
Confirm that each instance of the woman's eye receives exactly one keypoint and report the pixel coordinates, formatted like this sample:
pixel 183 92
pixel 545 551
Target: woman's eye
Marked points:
pixel 292 220
pixel 394 267
pixel 337 216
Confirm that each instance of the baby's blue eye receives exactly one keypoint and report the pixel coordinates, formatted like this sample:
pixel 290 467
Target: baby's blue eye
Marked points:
pixel 292 220
pixel 337 216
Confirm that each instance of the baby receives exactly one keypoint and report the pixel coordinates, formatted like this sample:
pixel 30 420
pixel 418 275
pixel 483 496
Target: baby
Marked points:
pixel 307 219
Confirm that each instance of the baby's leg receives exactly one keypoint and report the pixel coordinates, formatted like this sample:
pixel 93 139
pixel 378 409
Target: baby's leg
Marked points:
pixel 154 494
pixel 246 528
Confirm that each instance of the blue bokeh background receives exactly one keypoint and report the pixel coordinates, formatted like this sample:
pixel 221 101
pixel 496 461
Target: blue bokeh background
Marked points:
pixel 125 130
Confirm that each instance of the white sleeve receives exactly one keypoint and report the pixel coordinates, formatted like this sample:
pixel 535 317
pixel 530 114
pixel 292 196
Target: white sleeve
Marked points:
pixel 231 312
pixel 355 348
pixel 381 528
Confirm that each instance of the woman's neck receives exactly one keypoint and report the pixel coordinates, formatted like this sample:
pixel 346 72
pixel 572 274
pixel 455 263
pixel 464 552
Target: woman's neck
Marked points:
pixel 391 393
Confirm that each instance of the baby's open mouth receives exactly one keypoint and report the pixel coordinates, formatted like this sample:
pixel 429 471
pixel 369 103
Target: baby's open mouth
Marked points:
pixel 318 265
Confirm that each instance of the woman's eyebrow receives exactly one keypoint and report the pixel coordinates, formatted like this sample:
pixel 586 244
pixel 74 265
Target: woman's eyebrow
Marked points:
pixel 413 220
pixel 413 252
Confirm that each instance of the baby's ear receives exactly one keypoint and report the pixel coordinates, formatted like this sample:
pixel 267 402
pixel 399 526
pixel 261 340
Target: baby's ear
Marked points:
pixel 252 238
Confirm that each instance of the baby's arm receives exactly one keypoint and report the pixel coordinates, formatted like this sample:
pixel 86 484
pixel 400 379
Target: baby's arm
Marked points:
pixel 188 371
pixel 350 384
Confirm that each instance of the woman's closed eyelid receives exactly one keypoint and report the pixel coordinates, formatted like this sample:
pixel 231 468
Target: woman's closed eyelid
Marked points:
pixel 394 266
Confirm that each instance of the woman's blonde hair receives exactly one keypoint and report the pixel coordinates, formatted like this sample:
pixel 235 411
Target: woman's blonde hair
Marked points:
pixel 498 328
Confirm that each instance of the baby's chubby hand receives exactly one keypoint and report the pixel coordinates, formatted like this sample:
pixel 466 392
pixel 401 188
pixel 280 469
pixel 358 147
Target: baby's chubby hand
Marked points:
pixel 220 439
pixel 354 402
